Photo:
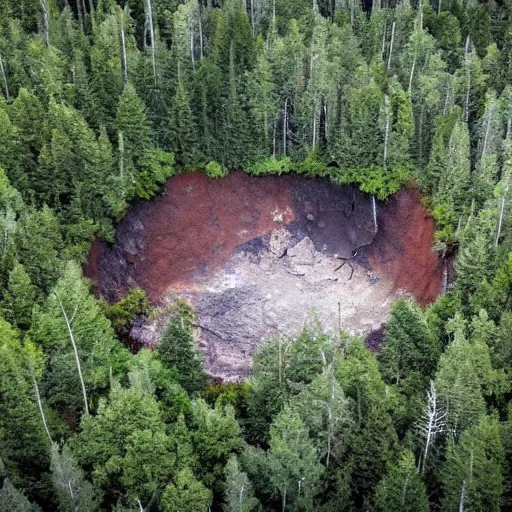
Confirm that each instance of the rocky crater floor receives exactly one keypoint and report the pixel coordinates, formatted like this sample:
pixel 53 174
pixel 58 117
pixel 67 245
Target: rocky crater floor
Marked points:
pixel 265 256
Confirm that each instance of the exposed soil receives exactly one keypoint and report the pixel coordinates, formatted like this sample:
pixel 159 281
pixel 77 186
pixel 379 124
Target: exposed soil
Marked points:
pixel 265 256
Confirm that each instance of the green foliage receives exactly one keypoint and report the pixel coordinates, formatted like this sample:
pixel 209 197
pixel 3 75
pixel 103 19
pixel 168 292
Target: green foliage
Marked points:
pixel 270 166
pixel 135 303
pixel 125 447
pixel 73 490
pixel 408 345
pixel 473 472
pixel 13 500
pixel 186 495
pixel 214 170
pixel 178 352
pixel 401 489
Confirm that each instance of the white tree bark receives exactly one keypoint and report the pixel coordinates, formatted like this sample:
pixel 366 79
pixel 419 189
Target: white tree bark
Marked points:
pixel 391 43
pixel 123 53
pixel 40 405
pixel 46 22
pixel 149 16
pixel 434 423
pixel 467 50
pixel 75 349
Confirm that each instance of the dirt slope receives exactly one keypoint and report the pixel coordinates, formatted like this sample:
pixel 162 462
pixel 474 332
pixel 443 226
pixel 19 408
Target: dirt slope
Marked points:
pixel 262 256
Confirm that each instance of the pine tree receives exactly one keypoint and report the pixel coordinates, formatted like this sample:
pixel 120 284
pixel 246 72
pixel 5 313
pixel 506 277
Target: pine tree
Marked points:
pixel 178 352
pixel 19 298
pixel 38 242
pixel 182 128
pixel 473 471
pixel 24 448
pixel 132 122
pixel 215 437
pixel 12 499
pixel 402 490
pixel 239 496
pixel 292 461
pixel 409 345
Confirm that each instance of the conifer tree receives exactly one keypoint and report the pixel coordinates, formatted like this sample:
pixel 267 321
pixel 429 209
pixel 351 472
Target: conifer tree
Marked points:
pixel 182 128
pixel 12 499
pixel 239 495
pixel 178 352
pixel 73 490
pixel 473 471
pixel 402 490
pixel 186 495
pixel 19 298
pixel 24 448
pixel 293 461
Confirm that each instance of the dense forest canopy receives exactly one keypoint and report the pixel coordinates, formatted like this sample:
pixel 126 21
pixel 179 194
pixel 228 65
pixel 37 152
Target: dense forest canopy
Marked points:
pixel 101 102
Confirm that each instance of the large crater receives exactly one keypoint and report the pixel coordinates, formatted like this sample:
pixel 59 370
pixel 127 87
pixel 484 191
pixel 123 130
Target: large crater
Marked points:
pixel 262 256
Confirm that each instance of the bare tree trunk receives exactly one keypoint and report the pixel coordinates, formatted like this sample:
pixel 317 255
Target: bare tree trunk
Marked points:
pixel 200 19
pixel 46 22
pixel 149 16
pixel 192 49
pixel 467 48
pixel 435 422
pixel 75 349
pixel 274 137
pixel 502 211
pixel 285 125
pixel 120 143
pixel 462 496
pixel 4 76
pixel 387 128
pixel 374 214
pixel 391 43
pixel 123 53
pixel 314 127
pixel 40 405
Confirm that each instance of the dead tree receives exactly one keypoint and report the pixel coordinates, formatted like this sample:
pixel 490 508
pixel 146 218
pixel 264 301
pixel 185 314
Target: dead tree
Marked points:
pixel 432 424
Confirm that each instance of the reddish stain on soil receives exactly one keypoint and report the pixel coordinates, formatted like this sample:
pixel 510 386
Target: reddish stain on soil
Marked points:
pixel 403 248
pixel 173 242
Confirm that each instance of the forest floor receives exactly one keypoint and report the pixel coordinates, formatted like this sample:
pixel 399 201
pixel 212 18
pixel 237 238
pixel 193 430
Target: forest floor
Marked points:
pixel 263 256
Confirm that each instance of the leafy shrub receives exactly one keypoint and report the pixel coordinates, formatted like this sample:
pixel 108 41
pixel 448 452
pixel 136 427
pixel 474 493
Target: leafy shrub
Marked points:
pixel 214 170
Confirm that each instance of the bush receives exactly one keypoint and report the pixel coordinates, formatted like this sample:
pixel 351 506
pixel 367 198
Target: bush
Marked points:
pixel 214 170
pixel 127 309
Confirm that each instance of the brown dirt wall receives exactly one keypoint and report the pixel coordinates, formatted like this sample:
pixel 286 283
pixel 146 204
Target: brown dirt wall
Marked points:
pixel 179 239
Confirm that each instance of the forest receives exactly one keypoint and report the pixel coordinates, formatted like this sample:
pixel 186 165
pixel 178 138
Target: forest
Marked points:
pixel 101 102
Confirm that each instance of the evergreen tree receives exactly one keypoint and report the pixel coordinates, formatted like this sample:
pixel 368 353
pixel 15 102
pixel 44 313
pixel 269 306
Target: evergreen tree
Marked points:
pixel 73 490
pixel 186 495
pixel 402 490
pixel 178 352
pixel 12 499
pixel 292 461
pixel 409 345
pixel 23 447
pixel 20 297
pixel 182 128
pixel 473 472
pixel 239 495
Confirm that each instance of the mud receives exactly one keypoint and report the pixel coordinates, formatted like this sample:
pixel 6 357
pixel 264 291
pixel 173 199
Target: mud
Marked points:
pixel 265 256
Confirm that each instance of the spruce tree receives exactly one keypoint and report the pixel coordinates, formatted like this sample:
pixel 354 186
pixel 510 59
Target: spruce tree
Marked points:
pixel 178 352
pixel 182 128
pixel 402 490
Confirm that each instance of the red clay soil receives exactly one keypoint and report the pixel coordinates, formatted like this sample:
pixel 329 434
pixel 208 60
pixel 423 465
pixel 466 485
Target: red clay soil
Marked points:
pixel 175 241
pixel 403 248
